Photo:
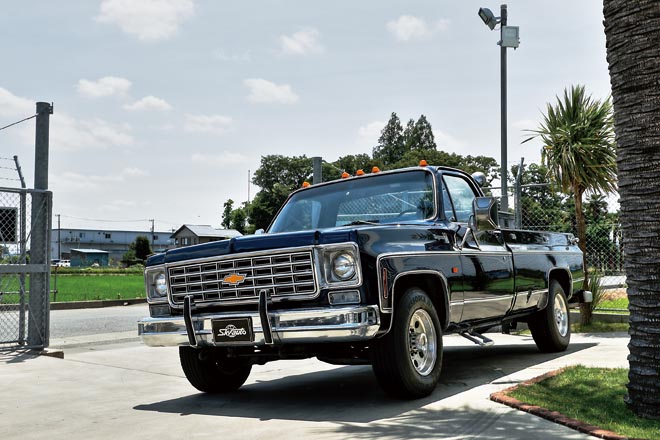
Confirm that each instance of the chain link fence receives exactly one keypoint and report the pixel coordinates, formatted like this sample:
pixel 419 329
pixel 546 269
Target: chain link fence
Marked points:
pixel 24 256
pixel 540 207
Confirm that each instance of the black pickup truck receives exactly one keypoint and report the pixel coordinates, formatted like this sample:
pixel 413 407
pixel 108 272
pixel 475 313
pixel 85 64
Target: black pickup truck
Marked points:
pixel 371 269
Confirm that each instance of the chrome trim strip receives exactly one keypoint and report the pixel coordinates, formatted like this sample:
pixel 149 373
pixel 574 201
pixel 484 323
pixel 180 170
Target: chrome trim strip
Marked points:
pixel 320 325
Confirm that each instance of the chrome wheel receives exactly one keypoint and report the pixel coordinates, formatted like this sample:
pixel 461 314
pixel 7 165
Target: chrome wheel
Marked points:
pixel 561 315
pixel 422 342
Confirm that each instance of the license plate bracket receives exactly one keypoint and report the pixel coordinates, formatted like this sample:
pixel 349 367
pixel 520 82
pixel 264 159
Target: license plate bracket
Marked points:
pixel 232 330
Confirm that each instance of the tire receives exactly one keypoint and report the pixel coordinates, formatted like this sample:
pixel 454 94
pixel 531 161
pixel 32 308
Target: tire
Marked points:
pixel 408 360
pixel 211 372
pixel 551 327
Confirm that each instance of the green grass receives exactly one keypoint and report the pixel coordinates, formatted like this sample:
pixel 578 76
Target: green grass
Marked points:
pixel 82 287
pixel 600 327
pixel 591 395
pixel 618 303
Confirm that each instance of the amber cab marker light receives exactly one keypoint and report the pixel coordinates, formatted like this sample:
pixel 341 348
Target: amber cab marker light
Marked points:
pixel 423 163
pixel 359 173
pixel 305 184
pixel 345 175
pixel 375 170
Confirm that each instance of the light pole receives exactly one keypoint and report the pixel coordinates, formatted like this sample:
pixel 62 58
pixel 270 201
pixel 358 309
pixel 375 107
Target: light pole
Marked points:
pixel 509 37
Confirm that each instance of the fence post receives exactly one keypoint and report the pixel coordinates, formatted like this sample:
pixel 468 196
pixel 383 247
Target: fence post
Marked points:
pixel 39 299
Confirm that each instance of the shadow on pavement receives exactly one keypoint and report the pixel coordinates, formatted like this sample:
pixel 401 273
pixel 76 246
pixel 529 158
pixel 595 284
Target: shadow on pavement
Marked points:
pixel 352 395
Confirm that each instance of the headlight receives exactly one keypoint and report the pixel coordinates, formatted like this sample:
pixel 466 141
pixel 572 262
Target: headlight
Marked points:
pixel 160 284
pixel 343 266
pixel 156 284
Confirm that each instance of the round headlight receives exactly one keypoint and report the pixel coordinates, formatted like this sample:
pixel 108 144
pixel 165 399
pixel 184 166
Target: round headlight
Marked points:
pixel 343 266
pixel 160 284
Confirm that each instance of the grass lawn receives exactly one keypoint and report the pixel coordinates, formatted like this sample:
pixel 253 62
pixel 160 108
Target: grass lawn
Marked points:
pixel 592 395
pixel 86 287
pixel 617 303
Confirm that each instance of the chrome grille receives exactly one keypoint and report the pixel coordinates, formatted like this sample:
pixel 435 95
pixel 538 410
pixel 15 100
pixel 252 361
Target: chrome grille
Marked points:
pixel 237 279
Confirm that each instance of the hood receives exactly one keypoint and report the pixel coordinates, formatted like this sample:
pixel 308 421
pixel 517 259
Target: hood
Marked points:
pixel 253 243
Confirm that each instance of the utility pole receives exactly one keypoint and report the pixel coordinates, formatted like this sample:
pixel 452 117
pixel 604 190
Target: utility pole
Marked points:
pixel 317 168
pixel 152 233
pixel 503 143
pixel 59 238
pixel 39 300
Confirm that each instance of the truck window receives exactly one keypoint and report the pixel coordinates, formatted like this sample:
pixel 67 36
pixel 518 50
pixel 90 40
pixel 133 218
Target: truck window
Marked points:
pixel 461 195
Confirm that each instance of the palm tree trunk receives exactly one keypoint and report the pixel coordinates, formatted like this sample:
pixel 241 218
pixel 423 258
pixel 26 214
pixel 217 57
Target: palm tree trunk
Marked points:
pixel 633 40
pixel 585 308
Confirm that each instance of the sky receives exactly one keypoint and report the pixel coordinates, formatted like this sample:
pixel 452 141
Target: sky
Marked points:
pixel 164 108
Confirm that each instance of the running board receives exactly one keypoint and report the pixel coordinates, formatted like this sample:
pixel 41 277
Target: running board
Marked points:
pixel 477 338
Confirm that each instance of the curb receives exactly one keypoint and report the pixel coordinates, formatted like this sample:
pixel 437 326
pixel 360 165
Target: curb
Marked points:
pixel 70 305
pixel 553 416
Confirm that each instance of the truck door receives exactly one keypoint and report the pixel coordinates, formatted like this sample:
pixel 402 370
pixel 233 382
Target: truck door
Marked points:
pixel 487 264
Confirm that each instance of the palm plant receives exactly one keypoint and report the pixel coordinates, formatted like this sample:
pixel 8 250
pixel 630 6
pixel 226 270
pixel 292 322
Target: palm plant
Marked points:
pixel 580 153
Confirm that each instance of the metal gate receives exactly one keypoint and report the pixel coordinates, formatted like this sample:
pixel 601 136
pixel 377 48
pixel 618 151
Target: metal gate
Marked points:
pixel 24 267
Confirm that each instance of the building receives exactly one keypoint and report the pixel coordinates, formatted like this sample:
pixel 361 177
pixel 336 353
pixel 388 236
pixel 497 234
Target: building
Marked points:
pixel 115 243
pixel 188 235
pixel 89 257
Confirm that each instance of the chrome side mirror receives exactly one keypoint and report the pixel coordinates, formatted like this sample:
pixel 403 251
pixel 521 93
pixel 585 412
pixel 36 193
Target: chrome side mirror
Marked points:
pixel 480 178
pixel 259 231
pixel 485 213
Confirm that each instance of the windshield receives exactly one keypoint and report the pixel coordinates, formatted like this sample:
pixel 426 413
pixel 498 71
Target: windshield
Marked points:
pixel 384 198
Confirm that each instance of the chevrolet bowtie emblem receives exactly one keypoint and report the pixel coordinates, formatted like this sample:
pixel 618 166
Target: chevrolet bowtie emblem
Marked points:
pixel 234 279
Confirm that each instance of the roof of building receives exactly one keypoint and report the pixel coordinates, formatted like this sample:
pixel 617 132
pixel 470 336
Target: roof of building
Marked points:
pixel 208 231
pixel 90 251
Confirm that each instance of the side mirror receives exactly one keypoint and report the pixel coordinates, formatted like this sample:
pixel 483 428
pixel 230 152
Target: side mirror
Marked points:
pixel 259 231
pixel 480 178
pixel 485 213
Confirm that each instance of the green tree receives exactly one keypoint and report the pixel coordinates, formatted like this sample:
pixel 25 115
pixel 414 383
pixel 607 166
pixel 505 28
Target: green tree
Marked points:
pixel 349 164
pixel 469 164
pixel 631 31
pixel 142 247
pixel 543 207
pixel 228 207
pixel 419 135
pixel 390 146
pixel 238 219
pixel 580 153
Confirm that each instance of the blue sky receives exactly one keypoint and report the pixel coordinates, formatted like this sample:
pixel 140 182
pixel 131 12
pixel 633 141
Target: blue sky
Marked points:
pixel 162 107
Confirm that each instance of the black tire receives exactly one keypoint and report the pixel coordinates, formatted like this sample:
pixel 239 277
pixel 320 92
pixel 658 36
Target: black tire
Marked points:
pixel 210 371
pixel 408 360
pixel 551 327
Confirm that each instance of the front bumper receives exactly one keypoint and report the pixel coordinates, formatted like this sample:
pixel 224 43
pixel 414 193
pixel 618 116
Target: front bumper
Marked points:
pixel 319 325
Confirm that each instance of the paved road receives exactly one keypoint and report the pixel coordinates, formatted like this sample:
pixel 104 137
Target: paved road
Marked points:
pixel 78 326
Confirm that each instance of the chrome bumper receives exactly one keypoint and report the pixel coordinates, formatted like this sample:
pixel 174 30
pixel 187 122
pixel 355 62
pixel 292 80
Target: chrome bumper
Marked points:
pixel 336 324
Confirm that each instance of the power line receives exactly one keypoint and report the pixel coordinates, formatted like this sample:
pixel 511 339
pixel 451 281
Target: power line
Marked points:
pixel 18 122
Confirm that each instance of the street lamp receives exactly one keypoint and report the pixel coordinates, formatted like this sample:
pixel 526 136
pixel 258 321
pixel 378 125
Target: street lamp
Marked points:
pixel 509 37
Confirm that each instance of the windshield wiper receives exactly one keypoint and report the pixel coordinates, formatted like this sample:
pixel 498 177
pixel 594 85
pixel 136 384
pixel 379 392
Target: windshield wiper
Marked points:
pixel 363 222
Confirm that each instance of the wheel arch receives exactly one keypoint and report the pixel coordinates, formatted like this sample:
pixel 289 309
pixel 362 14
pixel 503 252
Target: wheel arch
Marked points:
pixel 564 278
pixel 433 283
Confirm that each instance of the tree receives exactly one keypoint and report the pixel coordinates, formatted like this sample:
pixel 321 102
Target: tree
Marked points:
pixel 634 65
pixel 226 213
pixel 138 251
pixel 238 219
pixel 142 247
pixel 419 135
pixel 580 154
pixel 390 146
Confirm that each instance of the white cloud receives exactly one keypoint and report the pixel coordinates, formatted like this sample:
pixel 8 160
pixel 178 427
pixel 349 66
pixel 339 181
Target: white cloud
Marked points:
pixel 71 134
pixel 262 91
pixel 134 172
pixel 447 142
pixel 243 57
pixel 207 123
pixel 303 42
pixel 368 134
pixel 149 103
pixel 15 106
pixel 148 20
pixel 408 28
pixel 103 87
pixel 224 158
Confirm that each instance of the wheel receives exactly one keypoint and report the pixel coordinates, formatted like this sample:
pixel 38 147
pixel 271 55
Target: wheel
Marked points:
pixel 211 371
pixel 407 361
pixel 551 327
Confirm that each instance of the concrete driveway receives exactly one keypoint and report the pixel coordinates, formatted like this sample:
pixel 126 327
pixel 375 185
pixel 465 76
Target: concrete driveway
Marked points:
pixel 126 390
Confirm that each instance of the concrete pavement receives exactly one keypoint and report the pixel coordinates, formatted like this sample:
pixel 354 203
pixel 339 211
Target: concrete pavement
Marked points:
pixel 126 390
